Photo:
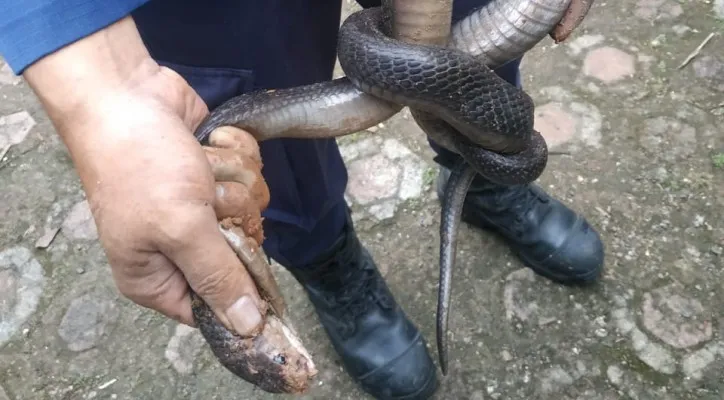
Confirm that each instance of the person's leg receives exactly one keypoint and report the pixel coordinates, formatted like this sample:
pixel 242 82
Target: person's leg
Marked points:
pixel 307 225
pixel 547 236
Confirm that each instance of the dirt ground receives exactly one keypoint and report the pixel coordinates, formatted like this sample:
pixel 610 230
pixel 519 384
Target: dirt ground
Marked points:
pixel 645 165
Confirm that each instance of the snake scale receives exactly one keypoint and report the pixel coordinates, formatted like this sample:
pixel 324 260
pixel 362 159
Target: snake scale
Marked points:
pixel 408 53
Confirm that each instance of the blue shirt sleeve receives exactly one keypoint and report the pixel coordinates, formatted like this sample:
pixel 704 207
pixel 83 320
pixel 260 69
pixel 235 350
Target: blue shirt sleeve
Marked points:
pixel 32 29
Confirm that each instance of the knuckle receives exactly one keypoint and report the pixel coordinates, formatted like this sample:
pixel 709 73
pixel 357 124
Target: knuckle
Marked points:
pixel 213 284
pixel 132 292
pixel 178 229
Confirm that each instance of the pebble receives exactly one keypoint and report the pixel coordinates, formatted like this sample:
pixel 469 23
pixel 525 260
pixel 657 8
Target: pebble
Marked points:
pixel 668 138
pixel 183 347
pixel 656 357
pixel 373 178
pixel 609 64
pixel 719 8
pixel 393 149
pixel 7 76
pixel 694 365
pixel 583 42
pixel 554 379
pixel 383 210
pixel 555 123
pixel 614 374
pixel 14 128
pixel 411 183
pixel 79 223
pixel 47 238
pixel 86 321
pixel 680 30
pixel 679 321
pixel 361 148
pixel 22 282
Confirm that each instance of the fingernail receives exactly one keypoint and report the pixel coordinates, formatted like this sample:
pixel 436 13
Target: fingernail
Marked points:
pixel 243 316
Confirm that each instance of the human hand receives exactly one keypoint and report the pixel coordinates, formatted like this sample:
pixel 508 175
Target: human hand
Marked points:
pixel 152 188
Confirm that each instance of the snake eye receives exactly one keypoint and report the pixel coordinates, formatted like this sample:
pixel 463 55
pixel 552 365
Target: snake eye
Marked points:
pixel 280 359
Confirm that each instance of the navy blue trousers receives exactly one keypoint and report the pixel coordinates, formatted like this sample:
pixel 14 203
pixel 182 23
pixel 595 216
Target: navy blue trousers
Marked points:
pixel 224 48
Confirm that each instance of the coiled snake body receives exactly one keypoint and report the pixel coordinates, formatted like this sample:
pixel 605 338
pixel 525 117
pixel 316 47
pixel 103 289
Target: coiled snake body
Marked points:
pixel 406 54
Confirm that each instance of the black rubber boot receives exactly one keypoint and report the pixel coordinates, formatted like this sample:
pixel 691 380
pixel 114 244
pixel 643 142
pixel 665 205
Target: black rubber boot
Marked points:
pixel 379 346
pixel 546 235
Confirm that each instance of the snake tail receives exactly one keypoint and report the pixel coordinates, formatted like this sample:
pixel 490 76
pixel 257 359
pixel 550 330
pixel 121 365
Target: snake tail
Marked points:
pixel 456 190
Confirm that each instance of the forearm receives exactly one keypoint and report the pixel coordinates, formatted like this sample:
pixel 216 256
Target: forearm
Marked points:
pixel 106 97
pixel 83 74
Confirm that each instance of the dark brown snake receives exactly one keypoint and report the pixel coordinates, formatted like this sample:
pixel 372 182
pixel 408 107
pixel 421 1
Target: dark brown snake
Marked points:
pixel 406 53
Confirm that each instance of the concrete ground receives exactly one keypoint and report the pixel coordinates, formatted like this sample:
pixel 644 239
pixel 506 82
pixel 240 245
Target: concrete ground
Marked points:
pixel 646 167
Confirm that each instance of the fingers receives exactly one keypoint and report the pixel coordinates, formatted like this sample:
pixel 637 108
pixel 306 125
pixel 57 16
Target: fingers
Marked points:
pixel 231 165
pixel 159 285
pixel 227 137
pixel 247 250
pixel 237 159
pixel 234 201
pixel 210 265
pixel 228 165
pixel 215 273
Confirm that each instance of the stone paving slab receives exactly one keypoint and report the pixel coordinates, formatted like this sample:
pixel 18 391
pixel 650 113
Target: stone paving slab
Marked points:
pixel 645 165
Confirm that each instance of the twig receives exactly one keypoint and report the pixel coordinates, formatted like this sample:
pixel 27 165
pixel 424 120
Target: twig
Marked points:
pixel 5 151
pixel 696 51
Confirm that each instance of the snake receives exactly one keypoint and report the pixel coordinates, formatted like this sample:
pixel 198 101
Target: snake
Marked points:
pixel 408 53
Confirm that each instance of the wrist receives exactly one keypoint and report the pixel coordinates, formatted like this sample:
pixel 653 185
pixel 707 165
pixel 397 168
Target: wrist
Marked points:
pixel 77 82
pixel 105 90
pixel 74 77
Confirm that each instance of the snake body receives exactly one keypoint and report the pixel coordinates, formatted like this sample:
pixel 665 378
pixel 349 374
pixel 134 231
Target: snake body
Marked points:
pixel 406 54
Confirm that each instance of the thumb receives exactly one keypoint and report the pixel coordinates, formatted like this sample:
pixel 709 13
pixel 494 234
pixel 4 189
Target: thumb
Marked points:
pixel 216 274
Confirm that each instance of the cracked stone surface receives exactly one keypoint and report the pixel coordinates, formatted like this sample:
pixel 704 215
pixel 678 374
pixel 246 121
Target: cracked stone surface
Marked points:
pixel 21 284
pixel 644 164
pixel 86 321
pixel 609 64
pixel 678 321
pixel 656 356
pixel 79 223
pixel 669 137
pixel 719 8
pixel 6 75
pixel 658 9
pixel 710 68
pixel 182 349
pixel 567 121
pixel 382 174
pixel 14 128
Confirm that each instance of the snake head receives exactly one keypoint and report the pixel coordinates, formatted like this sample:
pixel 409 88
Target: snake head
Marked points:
pixel 273 360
